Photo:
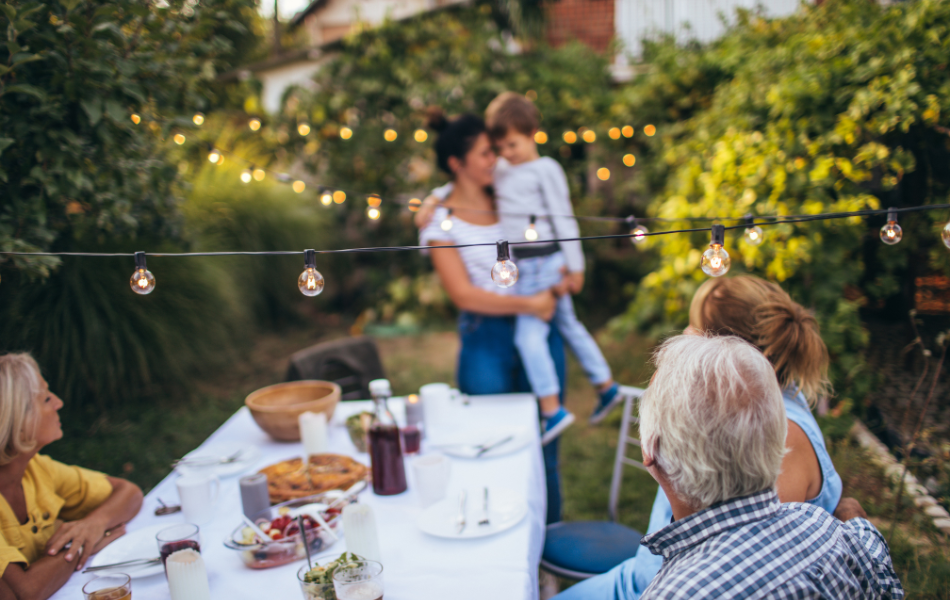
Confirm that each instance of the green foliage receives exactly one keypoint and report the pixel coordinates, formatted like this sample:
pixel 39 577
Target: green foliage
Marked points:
pixel 838 107
pixel 75 168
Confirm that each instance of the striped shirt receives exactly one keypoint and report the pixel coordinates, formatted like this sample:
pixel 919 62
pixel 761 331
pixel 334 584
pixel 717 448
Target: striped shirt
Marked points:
pixel 478 260
pixel 756 547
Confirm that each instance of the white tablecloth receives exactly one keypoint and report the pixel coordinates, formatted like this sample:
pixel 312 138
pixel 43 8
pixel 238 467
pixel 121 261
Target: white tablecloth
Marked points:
pixel 417 566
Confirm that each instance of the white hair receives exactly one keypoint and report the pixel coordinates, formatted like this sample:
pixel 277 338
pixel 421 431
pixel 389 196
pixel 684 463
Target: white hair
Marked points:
pixel 713 418
pixel 19 384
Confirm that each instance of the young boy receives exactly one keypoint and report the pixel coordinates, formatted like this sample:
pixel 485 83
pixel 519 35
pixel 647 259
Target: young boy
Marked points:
pixel 534 203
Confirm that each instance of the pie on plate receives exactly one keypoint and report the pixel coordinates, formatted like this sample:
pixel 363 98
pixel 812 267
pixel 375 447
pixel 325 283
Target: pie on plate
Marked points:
pixel 291 479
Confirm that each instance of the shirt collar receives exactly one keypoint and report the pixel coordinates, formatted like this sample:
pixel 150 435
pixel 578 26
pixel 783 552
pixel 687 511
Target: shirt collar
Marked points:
pixel 700 526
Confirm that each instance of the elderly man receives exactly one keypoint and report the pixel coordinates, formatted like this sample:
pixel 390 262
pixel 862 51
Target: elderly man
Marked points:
pixel 712 425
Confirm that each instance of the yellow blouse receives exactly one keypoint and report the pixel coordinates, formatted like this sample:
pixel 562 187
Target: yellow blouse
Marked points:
pixel 53 491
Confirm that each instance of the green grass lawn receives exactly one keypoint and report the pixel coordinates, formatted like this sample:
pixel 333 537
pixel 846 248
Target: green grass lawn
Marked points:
pixel 140 444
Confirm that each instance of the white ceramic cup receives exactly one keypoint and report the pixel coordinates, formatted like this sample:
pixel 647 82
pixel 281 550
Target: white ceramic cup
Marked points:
pixel 431 474
pixel 198 494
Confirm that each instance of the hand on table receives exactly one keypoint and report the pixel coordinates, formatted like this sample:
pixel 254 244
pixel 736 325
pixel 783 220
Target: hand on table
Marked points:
pixel 849 508
pixel 84 536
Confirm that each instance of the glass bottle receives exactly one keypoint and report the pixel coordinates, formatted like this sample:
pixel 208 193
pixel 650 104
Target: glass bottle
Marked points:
pixel 385 447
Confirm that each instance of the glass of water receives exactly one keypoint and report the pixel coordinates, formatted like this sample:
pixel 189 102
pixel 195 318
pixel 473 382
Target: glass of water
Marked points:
pixel 359 580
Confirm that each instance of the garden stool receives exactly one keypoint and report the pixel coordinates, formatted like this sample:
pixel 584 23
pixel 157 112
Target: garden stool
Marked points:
pixel 583 549
pixel 351 363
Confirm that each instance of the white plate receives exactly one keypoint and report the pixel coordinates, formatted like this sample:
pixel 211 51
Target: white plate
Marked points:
pixel 131 546
pixel 463 445
pixel 505 510
pixel 246 459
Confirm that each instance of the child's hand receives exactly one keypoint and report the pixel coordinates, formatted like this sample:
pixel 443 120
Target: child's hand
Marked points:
pixel 574 281
pixel 424 216
pixel 561 289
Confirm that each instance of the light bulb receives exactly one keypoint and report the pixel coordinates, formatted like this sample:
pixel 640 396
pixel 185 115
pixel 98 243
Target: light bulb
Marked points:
pixel 716 261
pixel 303 129
pixel 339 196
pixel 945 235
pixel 299 186
pixel 135 118
pixel 246 176
pixel 374 200
pixel 310 282
pixel 753 233
pixel 198 119
pixel 505 272
pixel 254 124
pixel 589 136
pixel 638 231
pixel 326 198
pixel 540 137
pixel 179 139
pixel 346 133
pixel 414 204
pixel 214 156
pixel 614 133
pixel 421 135
pixel 569 137
pixel 373 213
pixel 447 222
pixel 603 173
pixel 531 231
pixel 627 131
pixel 629 160
pixel 390 135
pixel 142 280
pixel 259 174
pixel 891 233
pixel 649 130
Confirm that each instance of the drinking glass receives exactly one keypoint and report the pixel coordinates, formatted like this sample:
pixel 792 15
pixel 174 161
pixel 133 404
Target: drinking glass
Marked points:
pixel 359 580
pixel 108 587
pixel 175 538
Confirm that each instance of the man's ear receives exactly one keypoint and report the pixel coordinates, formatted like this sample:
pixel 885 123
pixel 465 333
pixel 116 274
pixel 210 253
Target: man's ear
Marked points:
pixel 648 461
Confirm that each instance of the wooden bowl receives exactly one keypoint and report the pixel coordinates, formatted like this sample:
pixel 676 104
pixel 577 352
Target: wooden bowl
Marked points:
pixel 275 408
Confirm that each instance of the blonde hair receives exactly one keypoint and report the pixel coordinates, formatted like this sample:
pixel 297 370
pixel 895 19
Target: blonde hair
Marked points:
pixel 713 419
pixel 763 314
pixel 19 384
pixel 510 110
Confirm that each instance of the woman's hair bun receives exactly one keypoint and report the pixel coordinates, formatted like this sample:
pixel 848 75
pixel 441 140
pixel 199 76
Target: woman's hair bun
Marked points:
pixel 435 119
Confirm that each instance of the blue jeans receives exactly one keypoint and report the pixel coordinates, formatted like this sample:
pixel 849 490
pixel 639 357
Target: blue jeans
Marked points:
pixel 489 364
pixel 531 333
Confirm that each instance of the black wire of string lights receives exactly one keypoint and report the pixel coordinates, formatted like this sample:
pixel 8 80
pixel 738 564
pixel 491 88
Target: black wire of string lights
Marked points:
pixel 715 261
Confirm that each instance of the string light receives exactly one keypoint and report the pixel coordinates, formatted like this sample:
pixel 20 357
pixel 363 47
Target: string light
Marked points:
pixel 638 231
pixel 259 175
pixel 299 186
pixel 310 282
pixel 505 272
pixel 246 176
pixel 414 204
pixel 540 137
pixel 303 129
pixel 716 261
pixel 589 136
pixel 339 196
pixel 629 160
pixel 390 135
pixel 891 233
pixel 569 137
pixel 945 235
pixel 614 133
pixel 603 173
pixel 531 231
pixel 214 156
pixel 373 213
pixel 142 280
pixel 753 233
pixel 649 130
pixel 531 95
pixel 420 135
pixel 373 200
pixel 198 119
pixel 135 118
pixel 447 221
pixel 179 139
pixel 254 124
pixel 346 133
pixel 627 131
pixel 326 198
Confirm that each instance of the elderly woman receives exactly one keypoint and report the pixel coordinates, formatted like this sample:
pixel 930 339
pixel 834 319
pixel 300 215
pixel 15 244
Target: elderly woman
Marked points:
pixel 52 516
pixel 762 314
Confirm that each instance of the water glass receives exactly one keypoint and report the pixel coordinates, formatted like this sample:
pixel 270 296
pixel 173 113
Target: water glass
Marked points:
pixel 175 538
pixel 359 580
pixel 108 587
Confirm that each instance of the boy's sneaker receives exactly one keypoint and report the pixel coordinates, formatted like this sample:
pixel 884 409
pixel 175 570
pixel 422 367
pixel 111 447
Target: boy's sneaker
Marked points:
pixel 553 426
pixel 611 399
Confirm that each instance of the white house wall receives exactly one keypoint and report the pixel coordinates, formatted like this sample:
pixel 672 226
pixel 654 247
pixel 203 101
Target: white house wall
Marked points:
pixel 275 81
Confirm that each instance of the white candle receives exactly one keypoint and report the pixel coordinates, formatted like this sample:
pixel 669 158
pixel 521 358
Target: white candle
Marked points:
pixel 313 432
pixel 414 412
pixel 187 578
pixel 359 528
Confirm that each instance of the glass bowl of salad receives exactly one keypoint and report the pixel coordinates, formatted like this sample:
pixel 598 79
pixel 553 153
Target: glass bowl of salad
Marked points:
pixel 280 523
pixel 317 583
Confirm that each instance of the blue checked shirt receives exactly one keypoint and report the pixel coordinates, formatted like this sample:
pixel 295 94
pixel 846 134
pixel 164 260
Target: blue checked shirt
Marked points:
pixel 756 547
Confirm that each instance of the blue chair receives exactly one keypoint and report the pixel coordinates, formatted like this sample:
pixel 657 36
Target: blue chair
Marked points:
pixel 583 549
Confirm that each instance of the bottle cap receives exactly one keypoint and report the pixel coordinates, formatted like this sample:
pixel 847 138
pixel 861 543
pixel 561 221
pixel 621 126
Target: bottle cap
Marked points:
pixel 380 387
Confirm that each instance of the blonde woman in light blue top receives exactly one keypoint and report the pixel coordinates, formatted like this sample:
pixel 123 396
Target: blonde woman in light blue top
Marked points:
pixel 761 313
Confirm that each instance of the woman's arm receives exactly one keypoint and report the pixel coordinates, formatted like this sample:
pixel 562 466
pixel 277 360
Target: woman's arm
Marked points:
pixel 40 580
pixel 466 296
pixel 800 478
pixel 122 504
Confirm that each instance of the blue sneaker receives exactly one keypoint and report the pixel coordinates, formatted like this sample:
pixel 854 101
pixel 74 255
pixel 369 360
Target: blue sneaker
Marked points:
pixel 553 426
pixel 611 399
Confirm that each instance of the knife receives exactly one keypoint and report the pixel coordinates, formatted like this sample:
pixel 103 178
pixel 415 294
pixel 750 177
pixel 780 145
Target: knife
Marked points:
pixel 129 563
pixel 490 447
pixel 460 520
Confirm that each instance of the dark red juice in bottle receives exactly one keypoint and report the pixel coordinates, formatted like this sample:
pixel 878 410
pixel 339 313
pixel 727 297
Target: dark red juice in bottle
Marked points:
pixel 385 450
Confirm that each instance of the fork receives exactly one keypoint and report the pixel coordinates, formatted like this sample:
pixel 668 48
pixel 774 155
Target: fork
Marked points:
pixel 485 520
pixel 208 461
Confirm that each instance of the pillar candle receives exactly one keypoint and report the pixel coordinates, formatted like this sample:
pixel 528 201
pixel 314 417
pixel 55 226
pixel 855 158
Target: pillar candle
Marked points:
pixel 187 578
pixel 415 414
pixel 313 432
